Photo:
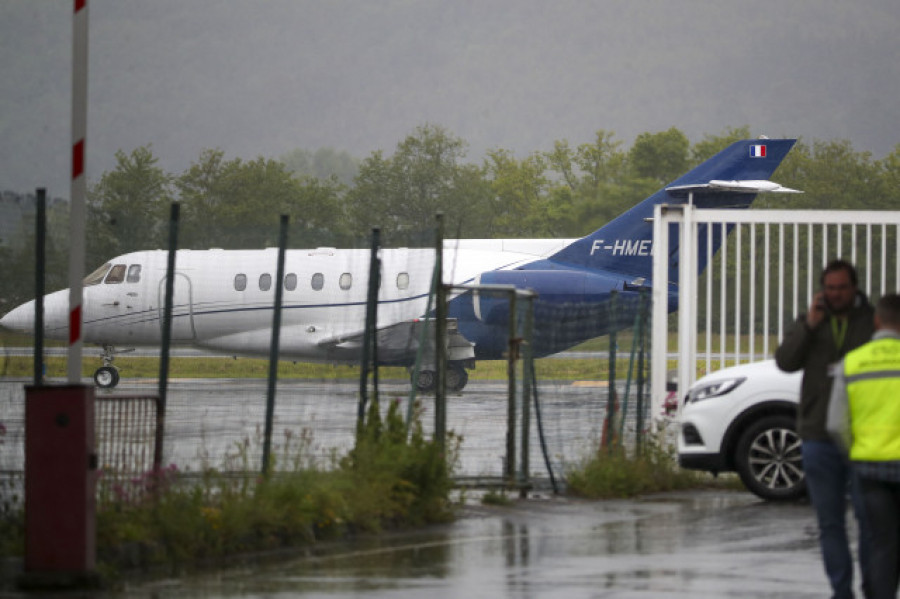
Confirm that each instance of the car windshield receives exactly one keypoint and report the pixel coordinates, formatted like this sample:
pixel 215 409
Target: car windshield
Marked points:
pixel 96 277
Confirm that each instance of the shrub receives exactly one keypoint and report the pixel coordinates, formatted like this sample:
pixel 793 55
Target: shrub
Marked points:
pixel 611 472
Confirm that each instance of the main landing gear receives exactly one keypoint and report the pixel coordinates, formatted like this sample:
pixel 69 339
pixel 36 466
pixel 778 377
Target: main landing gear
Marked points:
pixel 426 379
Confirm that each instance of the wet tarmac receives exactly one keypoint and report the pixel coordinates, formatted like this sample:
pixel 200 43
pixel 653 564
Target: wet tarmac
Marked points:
pixel 218 422
pixel 686 544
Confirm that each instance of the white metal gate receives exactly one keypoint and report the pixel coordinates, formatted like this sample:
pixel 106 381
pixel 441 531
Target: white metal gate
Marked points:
pixel 763 276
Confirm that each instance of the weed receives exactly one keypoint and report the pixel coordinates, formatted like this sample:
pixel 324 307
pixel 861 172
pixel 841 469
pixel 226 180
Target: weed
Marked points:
pixel 612 472
pixel 387 480
pixel 493 497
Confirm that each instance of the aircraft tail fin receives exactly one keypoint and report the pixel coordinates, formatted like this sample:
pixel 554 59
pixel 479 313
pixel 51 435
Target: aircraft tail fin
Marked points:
pixel 730 179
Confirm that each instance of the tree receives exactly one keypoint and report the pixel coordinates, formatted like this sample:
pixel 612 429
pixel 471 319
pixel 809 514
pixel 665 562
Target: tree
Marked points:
pixel 237 204
pixel 401 194
pixel 324 164
pixel 521 204
pixel 712 144
pixel 662 157
pixel 127 209
pixel 833 176
pixel 592 186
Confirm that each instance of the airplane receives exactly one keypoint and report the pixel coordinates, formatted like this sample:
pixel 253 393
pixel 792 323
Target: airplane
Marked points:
pixel 223 299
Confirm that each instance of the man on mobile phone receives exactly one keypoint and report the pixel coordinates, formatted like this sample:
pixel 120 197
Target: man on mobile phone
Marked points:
pixel 839 320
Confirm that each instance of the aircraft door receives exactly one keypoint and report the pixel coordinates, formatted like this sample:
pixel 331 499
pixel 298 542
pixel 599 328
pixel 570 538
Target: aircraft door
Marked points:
pixel 182 307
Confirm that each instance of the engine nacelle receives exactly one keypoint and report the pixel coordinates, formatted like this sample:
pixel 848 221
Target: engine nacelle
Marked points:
pixel 556 287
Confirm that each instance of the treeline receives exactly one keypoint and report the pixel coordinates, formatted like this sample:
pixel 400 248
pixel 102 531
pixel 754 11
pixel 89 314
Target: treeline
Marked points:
pixel 335 200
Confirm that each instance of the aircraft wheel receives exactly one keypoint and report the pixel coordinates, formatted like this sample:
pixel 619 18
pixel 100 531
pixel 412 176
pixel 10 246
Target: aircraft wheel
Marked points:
pixel 457 377
pixel 106 377
pixel 425 380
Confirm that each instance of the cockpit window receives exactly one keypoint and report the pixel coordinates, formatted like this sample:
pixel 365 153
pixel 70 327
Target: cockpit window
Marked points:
pixel 134 273
pixel 96 277
pixel 116 275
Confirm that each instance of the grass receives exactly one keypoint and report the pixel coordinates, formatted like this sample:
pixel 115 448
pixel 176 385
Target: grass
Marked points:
pixel 219 367
pixel 250 368
pixel 614 473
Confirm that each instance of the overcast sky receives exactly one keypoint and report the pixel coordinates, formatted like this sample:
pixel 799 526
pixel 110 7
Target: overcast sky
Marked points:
pixel 263 77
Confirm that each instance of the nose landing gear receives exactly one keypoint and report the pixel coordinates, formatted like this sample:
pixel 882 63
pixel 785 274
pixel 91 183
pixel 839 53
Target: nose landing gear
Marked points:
pixel 107 376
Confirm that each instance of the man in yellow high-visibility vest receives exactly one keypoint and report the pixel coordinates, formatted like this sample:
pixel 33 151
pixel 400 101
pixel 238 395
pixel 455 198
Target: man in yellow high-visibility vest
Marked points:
pixel 864 418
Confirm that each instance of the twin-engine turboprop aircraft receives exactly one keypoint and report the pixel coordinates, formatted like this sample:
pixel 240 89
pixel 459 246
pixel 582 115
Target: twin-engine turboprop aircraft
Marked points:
pixel 223 299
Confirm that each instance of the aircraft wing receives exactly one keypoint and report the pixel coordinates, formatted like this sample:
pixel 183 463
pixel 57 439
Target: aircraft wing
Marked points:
pixel 399 341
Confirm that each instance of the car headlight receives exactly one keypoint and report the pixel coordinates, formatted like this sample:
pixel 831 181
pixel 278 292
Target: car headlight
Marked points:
pixel 714 389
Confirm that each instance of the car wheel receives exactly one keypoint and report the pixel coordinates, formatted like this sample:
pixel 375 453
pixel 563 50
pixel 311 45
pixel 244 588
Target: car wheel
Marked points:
pixel 769 460
pixel 106 377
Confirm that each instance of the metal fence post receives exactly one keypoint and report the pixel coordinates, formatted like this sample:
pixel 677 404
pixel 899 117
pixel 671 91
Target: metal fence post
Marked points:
pixel 512 354
pixel 527 378
pixel 440 335
pixel 273 349
pixel 167 323
pixel 40 263
pixel 609 429
pixel 370 344
pixel 643 313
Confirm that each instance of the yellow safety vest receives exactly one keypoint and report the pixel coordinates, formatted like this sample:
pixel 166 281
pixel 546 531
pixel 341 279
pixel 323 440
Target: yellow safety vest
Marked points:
pixel 872 374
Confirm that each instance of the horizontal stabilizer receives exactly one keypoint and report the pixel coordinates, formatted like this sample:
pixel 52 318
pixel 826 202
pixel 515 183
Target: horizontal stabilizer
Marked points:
pixel 716 186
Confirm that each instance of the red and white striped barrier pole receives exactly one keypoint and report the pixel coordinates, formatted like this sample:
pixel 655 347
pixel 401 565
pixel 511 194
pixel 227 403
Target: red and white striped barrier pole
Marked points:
pixel 78 187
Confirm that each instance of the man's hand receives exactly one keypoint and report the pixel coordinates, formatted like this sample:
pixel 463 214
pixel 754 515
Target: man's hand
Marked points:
pixel 816 313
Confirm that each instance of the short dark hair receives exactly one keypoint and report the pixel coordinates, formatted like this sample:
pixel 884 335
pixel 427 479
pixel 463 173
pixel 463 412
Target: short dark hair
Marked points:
pixel 888 310
pixel 838 265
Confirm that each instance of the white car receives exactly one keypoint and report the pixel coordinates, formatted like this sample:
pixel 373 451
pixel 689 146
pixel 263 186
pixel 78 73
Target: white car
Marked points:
pixel 743 419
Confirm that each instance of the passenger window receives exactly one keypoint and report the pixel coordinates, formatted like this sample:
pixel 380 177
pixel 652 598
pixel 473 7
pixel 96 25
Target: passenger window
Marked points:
pixel 346 281
pixel 318 281
pixel 97 276
pixel 265 281
pixel 403 280
pixel 134 274
pixel 116 275
pixel 240 282
pixel 290 282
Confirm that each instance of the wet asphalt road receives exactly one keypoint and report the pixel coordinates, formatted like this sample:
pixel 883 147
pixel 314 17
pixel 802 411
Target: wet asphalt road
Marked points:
pixel 686 544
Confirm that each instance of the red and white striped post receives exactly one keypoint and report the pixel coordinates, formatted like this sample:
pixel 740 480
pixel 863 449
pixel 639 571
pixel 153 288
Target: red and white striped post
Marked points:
pixel 78 187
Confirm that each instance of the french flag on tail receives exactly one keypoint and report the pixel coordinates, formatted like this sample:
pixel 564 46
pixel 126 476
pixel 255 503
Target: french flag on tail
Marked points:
pixel 757 151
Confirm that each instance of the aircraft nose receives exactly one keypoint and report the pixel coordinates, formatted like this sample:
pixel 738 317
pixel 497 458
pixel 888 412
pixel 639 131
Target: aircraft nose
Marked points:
pixel 21 319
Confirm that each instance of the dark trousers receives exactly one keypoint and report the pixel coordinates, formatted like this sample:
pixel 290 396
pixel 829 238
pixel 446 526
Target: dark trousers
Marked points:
pixel 882 504
pixel 828 479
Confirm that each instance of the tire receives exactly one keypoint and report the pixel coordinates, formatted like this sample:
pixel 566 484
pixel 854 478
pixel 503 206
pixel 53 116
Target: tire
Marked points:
pixel 424 381
pixel 769 461
pixel 457 378
pixel 106 377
